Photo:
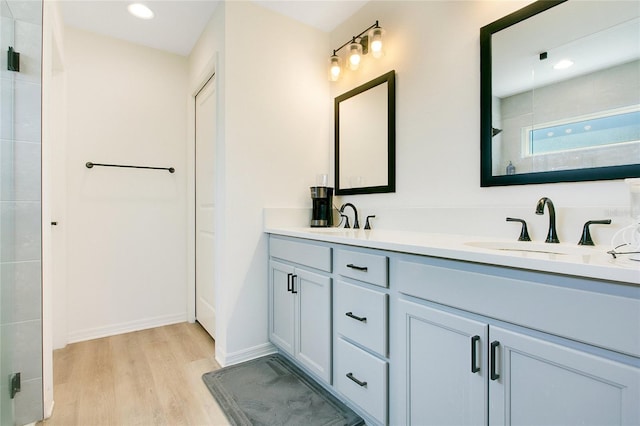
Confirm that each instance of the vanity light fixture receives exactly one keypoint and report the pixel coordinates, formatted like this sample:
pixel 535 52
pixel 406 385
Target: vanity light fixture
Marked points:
pixel 368 40
pixel 141 11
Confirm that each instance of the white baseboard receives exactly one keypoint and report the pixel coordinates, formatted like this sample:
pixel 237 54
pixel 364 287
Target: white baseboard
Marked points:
pixel 125 327
pixel 246 354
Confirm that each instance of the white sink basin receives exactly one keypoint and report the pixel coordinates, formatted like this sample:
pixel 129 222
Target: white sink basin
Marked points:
pixel 532 247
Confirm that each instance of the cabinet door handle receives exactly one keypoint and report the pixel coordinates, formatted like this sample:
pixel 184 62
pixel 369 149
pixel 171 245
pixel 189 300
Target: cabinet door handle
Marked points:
pixel 293 284
pixel 289 282
pixel 494 345
pixel 350 377
pixel 474 346
pixel 357 268
pixel 355 317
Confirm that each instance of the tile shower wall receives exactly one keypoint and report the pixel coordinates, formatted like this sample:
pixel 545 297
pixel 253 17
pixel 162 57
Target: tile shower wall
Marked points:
pixel 616 87
pixel 20 210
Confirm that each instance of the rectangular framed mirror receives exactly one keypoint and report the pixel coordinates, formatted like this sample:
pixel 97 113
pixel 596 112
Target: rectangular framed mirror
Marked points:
pixel 560 93
pixel 365 138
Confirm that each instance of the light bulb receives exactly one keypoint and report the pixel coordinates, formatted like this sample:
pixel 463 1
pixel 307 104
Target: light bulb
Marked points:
pixel 355 54
pixel 376 42
pixel 140 10
pixel 563 64
pixel 334 68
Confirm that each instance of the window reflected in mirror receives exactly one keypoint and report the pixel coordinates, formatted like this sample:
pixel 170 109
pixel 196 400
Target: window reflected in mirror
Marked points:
pixel 560 94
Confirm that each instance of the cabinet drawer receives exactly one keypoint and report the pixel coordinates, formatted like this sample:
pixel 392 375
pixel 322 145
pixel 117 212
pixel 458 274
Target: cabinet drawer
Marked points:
pixel 361 315
pixel 371 393
pixel 314 256
pixel 370 268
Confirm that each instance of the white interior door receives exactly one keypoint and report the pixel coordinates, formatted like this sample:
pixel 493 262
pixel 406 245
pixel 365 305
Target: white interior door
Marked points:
pixel 205 208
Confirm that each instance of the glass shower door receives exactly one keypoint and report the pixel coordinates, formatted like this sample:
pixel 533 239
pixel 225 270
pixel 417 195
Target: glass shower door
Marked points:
pixel 6 169
pixel 21 377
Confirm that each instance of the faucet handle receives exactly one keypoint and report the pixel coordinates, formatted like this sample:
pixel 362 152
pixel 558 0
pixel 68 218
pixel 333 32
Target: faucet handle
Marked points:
pixel 524 233
pixel 366 224
pixel 346 220
pixel 586 240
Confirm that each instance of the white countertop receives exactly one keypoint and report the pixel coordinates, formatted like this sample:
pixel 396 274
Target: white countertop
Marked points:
pixel 581 261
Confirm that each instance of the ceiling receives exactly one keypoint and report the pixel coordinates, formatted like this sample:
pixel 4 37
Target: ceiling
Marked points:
pixel 177 24
pixel 594 35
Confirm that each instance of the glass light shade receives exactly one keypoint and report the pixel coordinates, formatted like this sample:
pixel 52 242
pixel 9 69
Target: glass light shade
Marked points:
pixel 376 42
pixel 355 55
pixel 335 67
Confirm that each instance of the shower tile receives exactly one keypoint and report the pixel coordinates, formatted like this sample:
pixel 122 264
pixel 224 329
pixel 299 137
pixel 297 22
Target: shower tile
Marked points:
pixel 5 11
pixel 21 291
pixel 27 102
pixel 28 11
pixel 22 349
pixel 27 348
pixel 28 403
pixel 28 38
pixel 6 108
pixel 6 170
pixel 19 171
pixel 20 231
pixel 6 36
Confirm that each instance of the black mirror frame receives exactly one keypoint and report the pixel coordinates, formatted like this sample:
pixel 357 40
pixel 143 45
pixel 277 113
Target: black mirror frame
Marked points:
pixel 390 79
pixel 486 175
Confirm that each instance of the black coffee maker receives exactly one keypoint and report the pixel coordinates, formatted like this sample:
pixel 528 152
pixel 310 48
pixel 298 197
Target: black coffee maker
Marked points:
pixel 322 214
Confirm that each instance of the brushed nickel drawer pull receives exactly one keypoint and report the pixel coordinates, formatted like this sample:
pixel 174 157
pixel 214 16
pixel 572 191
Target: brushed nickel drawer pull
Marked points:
pixel 350 377
pixel 357 268
pixel 355 317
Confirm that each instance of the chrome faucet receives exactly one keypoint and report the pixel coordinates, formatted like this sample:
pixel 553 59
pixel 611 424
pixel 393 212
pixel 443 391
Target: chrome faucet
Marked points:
pixel 552 236
pixel 356 224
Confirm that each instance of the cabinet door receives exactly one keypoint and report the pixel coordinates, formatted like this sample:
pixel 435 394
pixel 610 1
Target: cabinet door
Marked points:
pixel 281 306
pixel 439 381
pixel 543 383
pixel 313 349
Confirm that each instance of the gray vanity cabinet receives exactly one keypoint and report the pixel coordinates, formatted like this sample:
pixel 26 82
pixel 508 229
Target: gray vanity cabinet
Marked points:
pixel 541 382
pixel 360 319
pixel 282 307
pixel 469 367
pixel 300 303
pixel 455 368
pixel 407 339
pixel 438 384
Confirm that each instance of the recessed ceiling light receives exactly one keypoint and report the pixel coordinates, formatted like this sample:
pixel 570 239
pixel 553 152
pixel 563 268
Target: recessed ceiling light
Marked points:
pixel 140 10
pixel 563 64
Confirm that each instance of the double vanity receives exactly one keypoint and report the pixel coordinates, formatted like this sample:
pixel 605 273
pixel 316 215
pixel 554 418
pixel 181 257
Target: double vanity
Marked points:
pixel 412 327
pixel 420 328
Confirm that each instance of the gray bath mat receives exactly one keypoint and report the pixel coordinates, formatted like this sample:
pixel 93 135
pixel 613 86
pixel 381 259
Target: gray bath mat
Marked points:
pixel 272 391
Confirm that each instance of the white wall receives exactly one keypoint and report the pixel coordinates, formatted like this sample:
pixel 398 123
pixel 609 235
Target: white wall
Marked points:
pixel 434 48
pixel 276 121
pixel 126 229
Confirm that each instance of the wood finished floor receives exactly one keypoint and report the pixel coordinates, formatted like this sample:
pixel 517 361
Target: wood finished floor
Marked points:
pixel 149 377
